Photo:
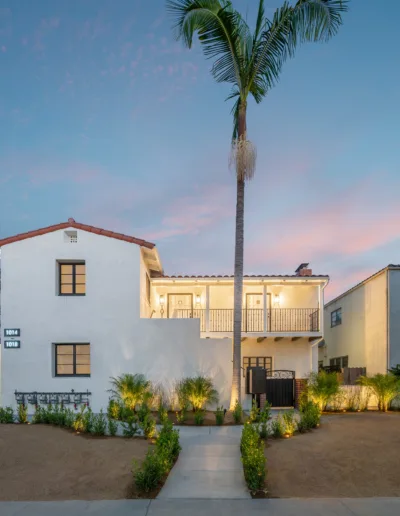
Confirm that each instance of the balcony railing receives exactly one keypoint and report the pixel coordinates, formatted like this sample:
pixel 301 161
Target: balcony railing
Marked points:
pixel 279 320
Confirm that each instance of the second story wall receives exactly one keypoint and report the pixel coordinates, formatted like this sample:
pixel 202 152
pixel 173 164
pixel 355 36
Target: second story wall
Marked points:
pixel 362 334
pixel 394 318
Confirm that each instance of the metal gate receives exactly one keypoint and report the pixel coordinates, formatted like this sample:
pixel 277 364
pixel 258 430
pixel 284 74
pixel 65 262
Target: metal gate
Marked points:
pixel 280 388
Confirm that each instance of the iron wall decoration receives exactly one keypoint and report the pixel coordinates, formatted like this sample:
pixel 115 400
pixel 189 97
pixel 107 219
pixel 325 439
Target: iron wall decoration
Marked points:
pixel 52 398
pixel 280 374
pixel 12 344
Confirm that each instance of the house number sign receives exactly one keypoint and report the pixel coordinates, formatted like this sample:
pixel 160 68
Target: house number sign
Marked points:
pixel 12 344
pixel 12 332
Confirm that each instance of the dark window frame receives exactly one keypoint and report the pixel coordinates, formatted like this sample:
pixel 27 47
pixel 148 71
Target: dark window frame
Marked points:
pixel 74 364
pixel 339 361
pixel 334 314
pixel 258 359
pixel 73 264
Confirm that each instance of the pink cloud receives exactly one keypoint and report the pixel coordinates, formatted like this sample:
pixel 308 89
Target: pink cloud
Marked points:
pixel 354 221
pixel 192 214
pixel 3 48
pixel 341 281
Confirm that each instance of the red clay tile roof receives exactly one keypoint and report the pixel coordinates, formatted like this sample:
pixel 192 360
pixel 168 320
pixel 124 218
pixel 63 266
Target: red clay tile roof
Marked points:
pixel 72 224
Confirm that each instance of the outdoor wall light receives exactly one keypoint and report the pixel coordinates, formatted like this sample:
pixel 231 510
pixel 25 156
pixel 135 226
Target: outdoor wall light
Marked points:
pixel 198 300
pixel 162 300
pixel 277 300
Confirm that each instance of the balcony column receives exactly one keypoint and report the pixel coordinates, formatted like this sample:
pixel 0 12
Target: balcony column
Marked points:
pixel 207 308
pixel 265 314
pixel 321 309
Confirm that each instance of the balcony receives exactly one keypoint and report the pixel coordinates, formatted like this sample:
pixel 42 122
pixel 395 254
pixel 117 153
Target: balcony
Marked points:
pixel 277 320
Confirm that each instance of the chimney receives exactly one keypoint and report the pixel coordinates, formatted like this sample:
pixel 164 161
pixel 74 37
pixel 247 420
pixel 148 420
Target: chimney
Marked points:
pixel 303 270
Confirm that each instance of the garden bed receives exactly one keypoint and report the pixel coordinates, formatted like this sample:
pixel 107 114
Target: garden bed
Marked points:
pixel 356 455
pixel 41 462
pixel 209 419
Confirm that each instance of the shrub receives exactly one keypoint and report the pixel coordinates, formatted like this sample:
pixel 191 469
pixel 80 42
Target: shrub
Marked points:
pixel 69 418
pixel 395 371
pixel 199 417
pixel 254 412
pixel 130 389
pixel 114 410
pixel 130 427
pixel 88 419
pixel 253 458
pixel 22 413
pixel 148 425
pixel 237 412
pixel 277 427
pixel 198 392
pixel 38 415
pixel 6 415
pixel 386 388
pixel 181 417
pixel 323 387
pixel 310 416
pixel 289 422
pixel 168 439
pixel 80 420
pixel 264 418
pixel 99 424
pixel 158 462
pixel 162 413
pixel 220 416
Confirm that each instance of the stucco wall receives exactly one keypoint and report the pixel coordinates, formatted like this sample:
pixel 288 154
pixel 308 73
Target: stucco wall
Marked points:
pixel 362 334
pixel 108 318
pixel 286 354
pixel 394 321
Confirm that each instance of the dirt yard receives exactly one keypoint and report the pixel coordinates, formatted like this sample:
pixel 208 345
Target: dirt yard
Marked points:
pixel 350 455
pixel 40 462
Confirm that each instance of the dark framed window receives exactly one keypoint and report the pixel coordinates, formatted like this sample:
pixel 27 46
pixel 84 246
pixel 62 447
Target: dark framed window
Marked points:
pixel 339 361
pixel 72 279
pixel 336 317
pixel 265 362
pixel 72 359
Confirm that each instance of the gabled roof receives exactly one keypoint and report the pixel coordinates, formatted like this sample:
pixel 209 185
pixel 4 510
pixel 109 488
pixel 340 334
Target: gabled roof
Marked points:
pixel 77 225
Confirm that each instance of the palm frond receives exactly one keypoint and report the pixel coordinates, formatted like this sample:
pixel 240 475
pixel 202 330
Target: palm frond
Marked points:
pixel 307 20
pixel 235 112
pixel 222 31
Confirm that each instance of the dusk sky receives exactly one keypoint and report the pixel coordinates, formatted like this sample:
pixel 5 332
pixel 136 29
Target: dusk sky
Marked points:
pixel 105 118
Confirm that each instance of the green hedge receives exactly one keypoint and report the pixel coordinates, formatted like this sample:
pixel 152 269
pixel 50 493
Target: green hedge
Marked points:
pixel 158 461
pixel 252 448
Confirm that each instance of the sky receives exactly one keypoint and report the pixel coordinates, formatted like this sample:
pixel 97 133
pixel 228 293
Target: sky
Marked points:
pixel 106 118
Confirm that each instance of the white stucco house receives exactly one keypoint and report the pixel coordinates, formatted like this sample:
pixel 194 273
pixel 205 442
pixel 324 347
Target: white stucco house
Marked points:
pixel 81 304
pixel 362 325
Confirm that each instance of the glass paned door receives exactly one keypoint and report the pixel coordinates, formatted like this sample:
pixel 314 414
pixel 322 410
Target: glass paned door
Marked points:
pixel 180 306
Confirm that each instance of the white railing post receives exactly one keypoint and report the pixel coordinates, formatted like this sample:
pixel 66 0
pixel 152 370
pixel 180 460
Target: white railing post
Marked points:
pixel 207 308
pixel 265 314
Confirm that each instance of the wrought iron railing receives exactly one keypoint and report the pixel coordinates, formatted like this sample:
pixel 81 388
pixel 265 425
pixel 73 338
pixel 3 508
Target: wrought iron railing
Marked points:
pixel 279 320
pixel 52 398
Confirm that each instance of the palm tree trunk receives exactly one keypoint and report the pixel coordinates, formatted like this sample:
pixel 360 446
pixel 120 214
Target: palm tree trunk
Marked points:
pixel 238 279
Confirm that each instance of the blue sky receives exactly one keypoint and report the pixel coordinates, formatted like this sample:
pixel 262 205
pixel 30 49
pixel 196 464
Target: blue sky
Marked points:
pixel 105 118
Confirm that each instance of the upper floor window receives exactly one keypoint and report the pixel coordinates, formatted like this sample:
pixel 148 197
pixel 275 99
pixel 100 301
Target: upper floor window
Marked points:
pixel 336 317
pixel 72 359
pixel 72 279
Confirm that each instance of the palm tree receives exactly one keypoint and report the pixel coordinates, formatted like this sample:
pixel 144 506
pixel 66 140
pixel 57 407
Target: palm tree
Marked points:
pixel 130 389
pixel 251 64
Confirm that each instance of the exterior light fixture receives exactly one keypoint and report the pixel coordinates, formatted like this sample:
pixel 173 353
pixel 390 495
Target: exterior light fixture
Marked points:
pixel 198 299
pixel 162 304
pixel 277 300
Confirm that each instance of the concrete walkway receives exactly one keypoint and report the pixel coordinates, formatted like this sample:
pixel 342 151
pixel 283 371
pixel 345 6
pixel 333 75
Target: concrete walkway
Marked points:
pixel 273 507
pixel 209 465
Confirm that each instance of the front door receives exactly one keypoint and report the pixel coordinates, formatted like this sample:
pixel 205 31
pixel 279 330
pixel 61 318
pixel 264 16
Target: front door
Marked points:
pixel 180 306
pixel 254 314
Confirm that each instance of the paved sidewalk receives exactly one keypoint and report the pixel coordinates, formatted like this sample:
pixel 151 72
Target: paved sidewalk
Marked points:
pixel 273 507
pixel 209 465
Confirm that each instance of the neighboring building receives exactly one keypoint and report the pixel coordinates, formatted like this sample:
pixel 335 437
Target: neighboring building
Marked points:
pixel 91 304
pixel 362 325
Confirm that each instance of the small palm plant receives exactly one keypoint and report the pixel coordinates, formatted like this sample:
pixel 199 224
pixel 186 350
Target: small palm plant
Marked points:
pixel 386 388
pixel 200 392
pixel 130 389
pixel 323 387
